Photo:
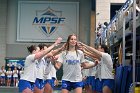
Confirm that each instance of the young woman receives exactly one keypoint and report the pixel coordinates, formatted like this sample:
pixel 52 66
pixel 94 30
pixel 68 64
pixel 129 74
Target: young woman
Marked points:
pixel 9 76
pixel 85 79
pixel 48 78
pixel 49 85
pixel 27 80
pixel 15 76
pixel 90 80
pixel 71 58
pixel 104 68
pixel 21 72
pixel 53 75
pixel 2 76
pixel 41 70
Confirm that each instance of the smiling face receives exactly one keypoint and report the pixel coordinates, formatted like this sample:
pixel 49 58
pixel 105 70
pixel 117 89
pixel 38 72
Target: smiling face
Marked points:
pixel 73 41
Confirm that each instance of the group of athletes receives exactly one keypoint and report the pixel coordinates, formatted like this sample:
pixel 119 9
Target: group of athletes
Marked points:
pixel 75 57
pixel 9 77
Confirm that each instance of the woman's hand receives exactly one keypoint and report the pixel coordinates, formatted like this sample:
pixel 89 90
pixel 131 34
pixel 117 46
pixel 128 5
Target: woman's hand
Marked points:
pixel 58 41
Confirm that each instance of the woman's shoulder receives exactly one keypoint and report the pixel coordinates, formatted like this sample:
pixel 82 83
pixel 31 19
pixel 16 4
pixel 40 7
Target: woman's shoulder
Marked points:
pixel 105 54
pixel 31 55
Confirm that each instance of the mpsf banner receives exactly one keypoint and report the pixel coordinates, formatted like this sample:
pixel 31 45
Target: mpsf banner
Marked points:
pixel 44 21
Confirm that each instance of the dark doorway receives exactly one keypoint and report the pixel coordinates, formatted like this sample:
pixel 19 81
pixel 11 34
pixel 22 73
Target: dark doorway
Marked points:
pixel 113 8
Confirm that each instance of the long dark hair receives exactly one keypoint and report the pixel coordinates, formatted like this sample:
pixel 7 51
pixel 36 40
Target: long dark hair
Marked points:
pixel 31 48
pixel 106 49
pixel 42 45
pixel 67 44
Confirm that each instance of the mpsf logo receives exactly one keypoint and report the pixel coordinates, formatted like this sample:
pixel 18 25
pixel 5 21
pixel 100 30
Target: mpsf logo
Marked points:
pixel 48 20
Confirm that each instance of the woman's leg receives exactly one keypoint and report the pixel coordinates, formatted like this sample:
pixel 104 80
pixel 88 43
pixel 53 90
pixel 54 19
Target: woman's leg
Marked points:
pixel 78 90
pixel 108 85
pixel 14 81
pixel 88 89
pixel 106 89
pixel 64 91
pixel 37 90
pixel 48 88
pixel 2 81
pixel 8 80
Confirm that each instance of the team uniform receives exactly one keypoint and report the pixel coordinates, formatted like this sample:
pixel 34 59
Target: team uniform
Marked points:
pixel 53 75
pixel 43 70
pixel 28 78
pixel 72 77
pixel 40 82
pixel 104 73
pixel 47 72
pixel 2 75
pixel 91 75
pixel 9 74
pixel 15 74
pixel 85 76
pixel 91 78
pixel 20 73
pixel 9 77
